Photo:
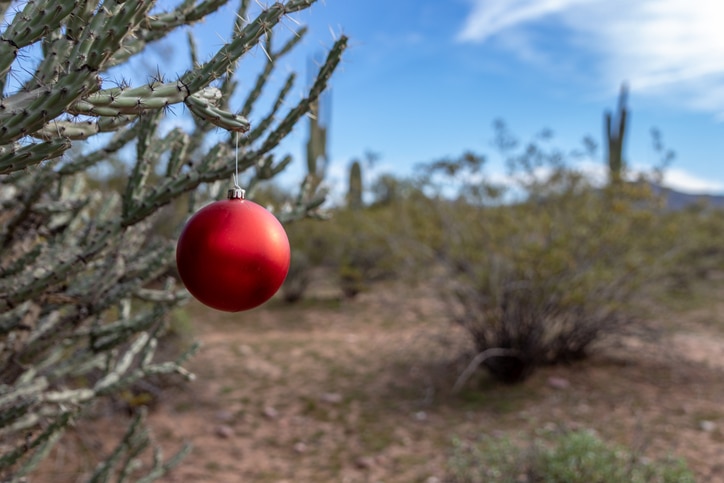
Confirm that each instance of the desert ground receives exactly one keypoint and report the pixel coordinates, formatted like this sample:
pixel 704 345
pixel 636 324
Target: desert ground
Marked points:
pixel 360 390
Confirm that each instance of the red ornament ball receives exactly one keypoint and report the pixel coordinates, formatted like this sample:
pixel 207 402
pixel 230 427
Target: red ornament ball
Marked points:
pixel 233 254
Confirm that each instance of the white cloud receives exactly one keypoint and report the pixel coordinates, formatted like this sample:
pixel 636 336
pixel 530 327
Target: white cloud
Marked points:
pixel 490 17
pixel 676 178
pixel 681 180
pixel 670 49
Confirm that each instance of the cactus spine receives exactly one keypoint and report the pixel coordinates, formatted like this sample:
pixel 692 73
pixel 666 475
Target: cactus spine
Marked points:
pixel 615 131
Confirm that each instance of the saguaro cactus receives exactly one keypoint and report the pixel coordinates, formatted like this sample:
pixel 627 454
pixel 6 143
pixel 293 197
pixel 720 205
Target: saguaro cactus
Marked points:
pixel 84 293
pixel 615 132
pixel 317 156
pixel 316 144
pixel 354 195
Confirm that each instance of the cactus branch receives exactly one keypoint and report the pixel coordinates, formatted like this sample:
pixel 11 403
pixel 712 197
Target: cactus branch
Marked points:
pixel 320 83
pixel 119 140
pixel 155 27
pixel 38 18
pixel 263 125
pixel 15 157
pixel 79 130
pixel 248 37
pixel 264 75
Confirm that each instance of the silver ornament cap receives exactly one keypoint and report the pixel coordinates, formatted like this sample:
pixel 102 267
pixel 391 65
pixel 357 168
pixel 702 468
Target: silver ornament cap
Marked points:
pixel 236 194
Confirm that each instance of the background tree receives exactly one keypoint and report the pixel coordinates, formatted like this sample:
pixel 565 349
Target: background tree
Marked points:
pixel 84 291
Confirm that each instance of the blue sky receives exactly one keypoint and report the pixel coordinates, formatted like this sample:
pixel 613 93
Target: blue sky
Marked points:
pixel 424 79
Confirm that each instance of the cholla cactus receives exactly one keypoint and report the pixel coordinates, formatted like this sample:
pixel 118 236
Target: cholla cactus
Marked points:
pixel 83 290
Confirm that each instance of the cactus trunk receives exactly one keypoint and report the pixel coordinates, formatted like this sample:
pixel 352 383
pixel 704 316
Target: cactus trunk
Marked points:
pixel 615 132
pixel 354 195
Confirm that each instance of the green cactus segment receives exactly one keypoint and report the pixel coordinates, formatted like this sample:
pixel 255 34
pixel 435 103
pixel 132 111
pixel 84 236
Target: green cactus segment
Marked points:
pixel 154 96
pixel 118 101
pixel 25 112
pixel 13 157
pixel 354 195
pixel 263 77
pixel 79 130
pixel 178 144
pixel 56 47
pixel 267 169
pixel 117 20
pixel 37 19
pixel 262 126
pixel 320 84
pixel 249 36
pixel 185 14
pixel 119 140
pixel 615 131
pixel 144 161
pixel 218 117
pixel 155 27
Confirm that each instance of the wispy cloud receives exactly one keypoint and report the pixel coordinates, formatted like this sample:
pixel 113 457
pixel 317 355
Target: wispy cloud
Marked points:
pixel 489 17
pixel 664 48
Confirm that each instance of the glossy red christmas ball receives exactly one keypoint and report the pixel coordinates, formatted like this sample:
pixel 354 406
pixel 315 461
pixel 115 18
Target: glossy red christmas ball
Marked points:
pixel 233 254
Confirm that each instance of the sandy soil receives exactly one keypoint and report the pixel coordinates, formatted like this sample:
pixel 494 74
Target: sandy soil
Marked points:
pixel 360 391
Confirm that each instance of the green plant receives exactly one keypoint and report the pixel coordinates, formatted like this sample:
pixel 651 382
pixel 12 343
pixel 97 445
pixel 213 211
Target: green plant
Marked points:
pixel 572 457
pixel 298 278
pixel 701 255
pixel 84 294
pixel 540 276
pixel 362 253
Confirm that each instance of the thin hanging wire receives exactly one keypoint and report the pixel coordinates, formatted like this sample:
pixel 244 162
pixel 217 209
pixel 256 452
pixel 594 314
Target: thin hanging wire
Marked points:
pixel 235 176
pixel 237 192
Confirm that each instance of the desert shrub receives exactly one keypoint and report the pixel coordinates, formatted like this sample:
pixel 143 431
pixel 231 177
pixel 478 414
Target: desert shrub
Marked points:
pixel 572 457
pixel 539 272
pixel 363 255
pixel 351 245
pixel 360 255
pixel 313 248
pixel 298 278
pixel 701 253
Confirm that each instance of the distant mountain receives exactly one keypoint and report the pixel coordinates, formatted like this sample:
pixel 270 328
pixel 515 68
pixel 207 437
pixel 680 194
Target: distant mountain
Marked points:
pixel 676 200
